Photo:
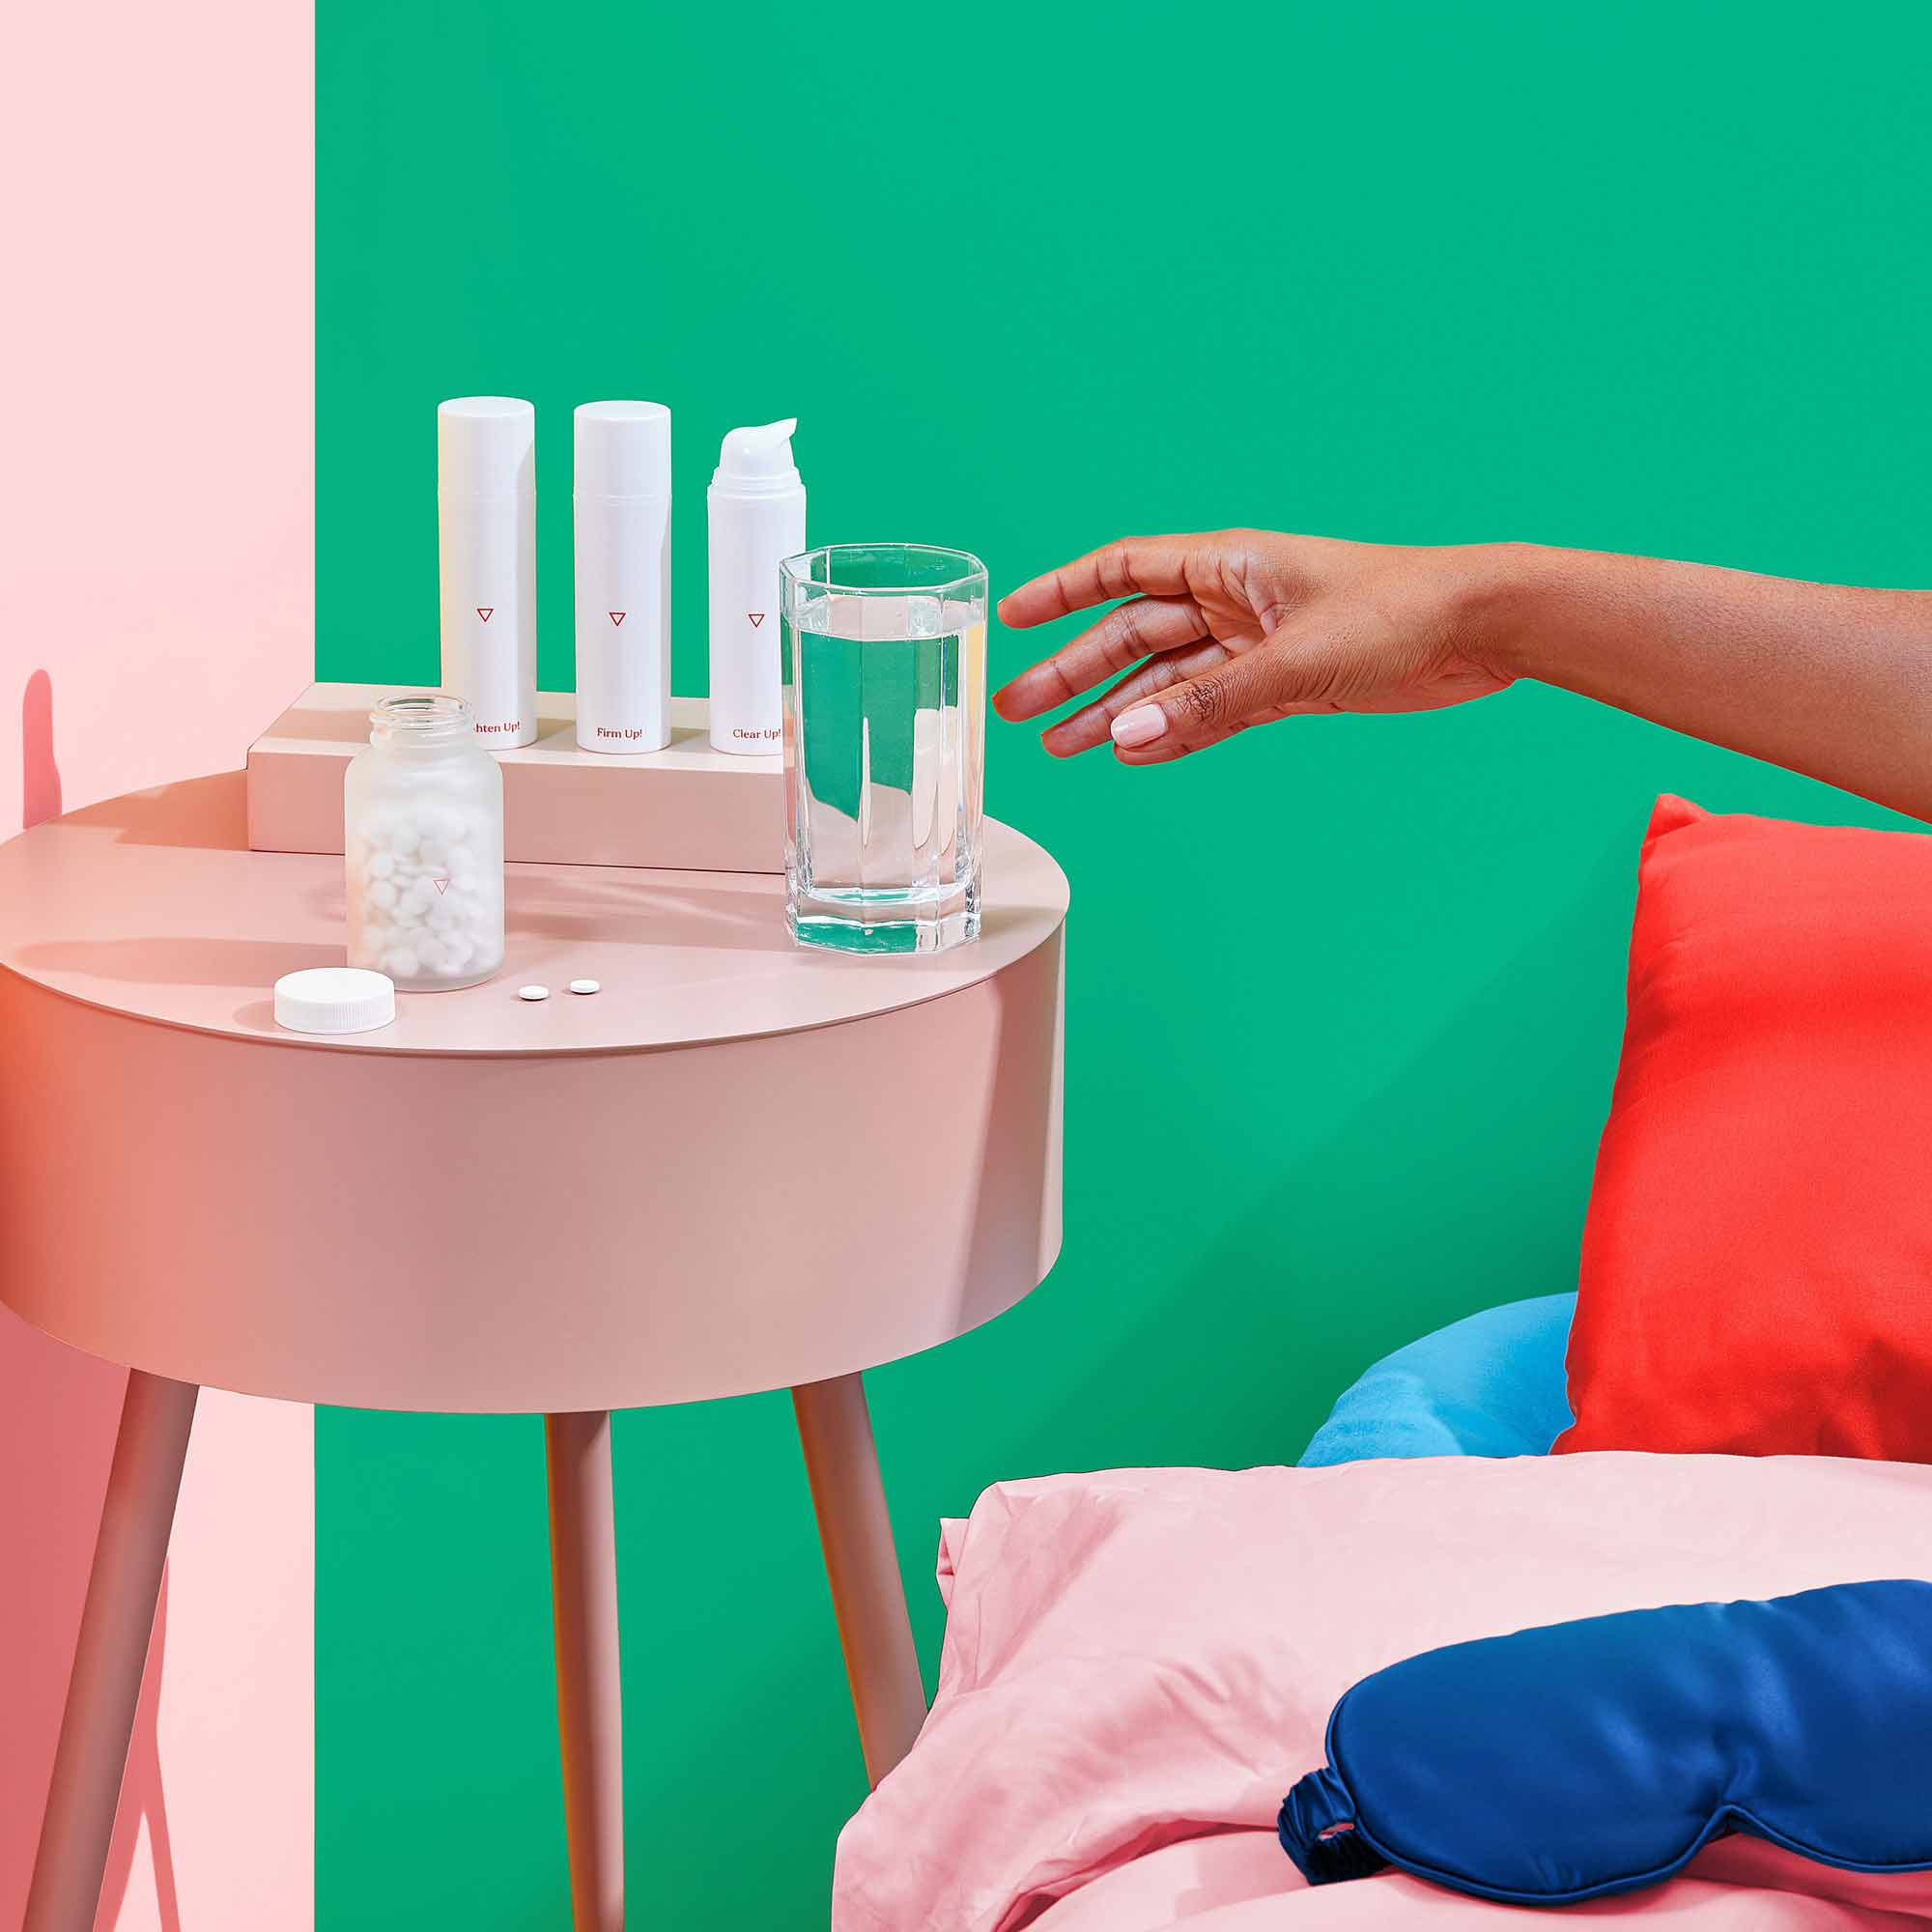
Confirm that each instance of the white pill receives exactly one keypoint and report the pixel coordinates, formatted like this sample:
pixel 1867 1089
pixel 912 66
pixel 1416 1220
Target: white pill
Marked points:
pixel 406 837
pixel 532 992
pixel 383 894
pixel 583 985
pixel 381 864
pixel 434 854
pixel 401 963
pixel 443 918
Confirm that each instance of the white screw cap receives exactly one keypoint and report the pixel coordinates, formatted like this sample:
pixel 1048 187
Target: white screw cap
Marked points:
pixel 623 449
pixel 334 999
pixel 486 446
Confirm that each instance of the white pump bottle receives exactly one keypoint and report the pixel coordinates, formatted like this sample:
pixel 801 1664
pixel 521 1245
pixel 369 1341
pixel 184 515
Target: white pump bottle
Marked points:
pixel 757 505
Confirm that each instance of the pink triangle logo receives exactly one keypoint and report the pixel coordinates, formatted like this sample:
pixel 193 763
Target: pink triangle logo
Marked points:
pixel 441 886
pixel 758 617
pixel 618 616
pixel 486 611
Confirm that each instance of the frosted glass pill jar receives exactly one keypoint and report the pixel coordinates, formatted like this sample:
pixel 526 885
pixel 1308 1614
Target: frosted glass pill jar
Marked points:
pixel 422 847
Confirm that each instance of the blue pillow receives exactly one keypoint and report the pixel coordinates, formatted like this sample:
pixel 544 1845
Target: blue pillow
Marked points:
pixel 1590 1757
pixel 1492 1384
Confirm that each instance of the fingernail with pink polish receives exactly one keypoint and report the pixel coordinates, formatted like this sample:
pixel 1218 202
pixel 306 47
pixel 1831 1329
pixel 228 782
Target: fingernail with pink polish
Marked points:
pixel 1141 725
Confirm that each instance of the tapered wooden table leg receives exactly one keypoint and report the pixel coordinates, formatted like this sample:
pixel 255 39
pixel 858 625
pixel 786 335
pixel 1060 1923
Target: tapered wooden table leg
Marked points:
pixel 106 1688
pixel 867 1597
pixel 589 1713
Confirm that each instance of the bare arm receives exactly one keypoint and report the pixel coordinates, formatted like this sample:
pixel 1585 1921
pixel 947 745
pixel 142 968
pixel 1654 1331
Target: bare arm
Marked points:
pixel 1827 680
pixel 1236 628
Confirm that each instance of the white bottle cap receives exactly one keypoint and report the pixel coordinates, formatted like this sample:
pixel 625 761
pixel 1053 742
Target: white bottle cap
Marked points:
pixel 623 449
pixel 334 999
pixel 486 446
pixel 757 462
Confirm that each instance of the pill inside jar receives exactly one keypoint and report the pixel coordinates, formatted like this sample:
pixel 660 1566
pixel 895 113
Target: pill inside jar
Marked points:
pixel 423 847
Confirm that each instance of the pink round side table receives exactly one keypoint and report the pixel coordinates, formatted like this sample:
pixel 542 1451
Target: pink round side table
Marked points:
pixel 736 1167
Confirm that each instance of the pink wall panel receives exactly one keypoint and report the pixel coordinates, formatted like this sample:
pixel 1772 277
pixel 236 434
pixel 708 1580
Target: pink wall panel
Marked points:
pixel 157 589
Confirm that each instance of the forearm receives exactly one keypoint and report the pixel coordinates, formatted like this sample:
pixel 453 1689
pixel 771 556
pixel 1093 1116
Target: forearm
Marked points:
pixel 1825 679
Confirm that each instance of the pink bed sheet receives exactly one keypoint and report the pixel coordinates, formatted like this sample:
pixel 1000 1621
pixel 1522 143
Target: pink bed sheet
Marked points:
pixel 1142 1659
pixel 1239 1882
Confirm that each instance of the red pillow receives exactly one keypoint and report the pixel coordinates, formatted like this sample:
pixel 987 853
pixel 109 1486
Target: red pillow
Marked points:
pixel 1757 1260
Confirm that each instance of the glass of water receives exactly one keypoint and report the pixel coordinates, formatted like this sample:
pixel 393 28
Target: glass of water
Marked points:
pixel 884 659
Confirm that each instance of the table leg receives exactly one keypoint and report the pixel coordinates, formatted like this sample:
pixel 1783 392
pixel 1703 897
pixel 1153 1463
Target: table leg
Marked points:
pixel 112 1651
pixel 867 1596
pixel 589 1715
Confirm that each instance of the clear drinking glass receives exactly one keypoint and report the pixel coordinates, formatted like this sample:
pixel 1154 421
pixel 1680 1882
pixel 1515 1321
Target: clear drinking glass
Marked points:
pixel 883 649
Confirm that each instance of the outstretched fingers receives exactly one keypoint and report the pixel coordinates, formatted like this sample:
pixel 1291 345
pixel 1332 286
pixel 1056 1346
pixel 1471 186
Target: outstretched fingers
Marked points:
pixel 1278 679
pixel 1128 567
pixel 1092 724
pixel 1143 628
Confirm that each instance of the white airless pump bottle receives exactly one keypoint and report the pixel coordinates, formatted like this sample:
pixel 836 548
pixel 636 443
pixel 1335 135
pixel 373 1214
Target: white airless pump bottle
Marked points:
pixel 623 576
pixel 486 495
pixel 757 507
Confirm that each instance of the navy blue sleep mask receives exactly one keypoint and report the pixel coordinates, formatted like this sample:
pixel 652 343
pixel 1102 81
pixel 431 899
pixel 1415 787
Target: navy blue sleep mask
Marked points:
pixel 1591 1757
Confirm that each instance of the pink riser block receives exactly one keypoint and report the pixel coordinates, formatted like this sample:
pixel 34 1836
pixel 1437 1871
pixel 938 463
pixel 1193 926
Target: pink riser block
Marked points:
pixel 686 809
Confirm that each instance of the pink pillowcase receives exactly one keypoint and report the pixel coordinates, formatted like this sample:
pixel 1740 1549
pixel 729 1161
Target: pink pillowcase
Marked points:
pixel 1146 1656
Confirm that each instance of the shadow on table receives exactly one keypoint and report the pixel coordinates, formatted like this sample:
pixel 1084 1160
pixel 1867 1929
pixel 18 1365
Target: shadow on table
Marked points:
pixel 346 725
pixel 728 911
pixel 178 961
pixel 209 815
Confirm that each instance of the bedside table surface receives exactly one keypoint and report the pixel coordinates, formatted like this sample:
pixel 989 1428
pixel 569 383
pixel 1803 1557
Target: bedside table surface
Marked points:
pixel 152 905
pixel 736 1166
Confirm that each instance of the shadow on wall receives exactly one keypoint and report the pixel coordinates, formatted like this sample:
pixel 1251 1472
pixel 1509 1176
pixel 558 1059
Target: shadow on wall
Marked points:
pixel 142 1796
pixel 40 776
pixel 58 1412
pixel 58 1415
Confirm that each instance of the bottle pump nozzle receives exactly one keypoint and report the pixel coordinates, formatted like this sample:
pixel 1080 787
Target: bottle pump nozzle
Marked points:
pixel 758 457
pixel 755 511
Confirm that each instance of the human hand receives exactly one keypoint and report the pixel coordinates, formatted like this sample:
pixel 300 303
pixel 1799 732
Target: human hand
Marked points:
pixel 1234 628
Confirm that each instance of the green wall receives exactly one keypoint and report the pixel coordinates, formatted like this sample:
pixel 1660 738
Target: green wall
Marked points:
pixel 1344 997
